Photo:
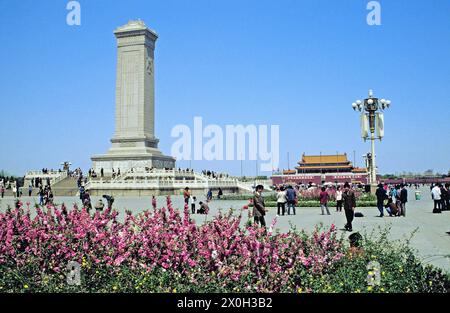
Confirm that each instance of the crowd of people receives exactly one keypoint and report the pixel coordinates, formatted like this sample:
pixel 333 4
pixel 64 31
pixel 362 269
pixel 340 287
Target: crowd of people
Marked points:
pixel 440 193
pixel 287 198
pixel 393 199
pixel 215 175
pixel 45 194
pixel 191 201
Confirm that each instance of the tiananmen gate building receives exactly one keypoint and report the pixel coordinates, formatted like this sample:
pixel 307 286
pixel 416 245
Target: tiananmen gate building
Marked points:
pixel 320 169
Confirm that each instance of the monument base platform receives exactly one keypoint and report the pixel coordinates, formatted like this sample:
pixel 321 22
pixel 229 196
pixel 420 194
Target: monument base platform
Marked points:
pixel 125 162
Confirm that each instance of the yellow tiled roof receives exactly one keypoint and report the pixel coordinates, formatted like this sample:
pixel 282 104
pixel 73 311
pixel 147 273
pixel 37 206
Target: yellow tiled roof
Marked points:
pixel 321 159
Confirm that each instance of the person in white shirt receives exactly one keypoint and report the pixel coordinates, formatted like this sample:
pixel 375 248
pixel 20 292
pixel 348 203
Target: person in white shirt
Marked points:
pixel 436 195
pixel 193 202
pixel 281 201
pixel 339 199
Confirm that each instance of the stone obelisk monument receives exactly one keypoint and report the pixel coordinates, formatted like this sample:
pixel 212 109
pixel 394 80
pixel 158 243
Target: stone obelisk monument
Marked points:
pixel 134 143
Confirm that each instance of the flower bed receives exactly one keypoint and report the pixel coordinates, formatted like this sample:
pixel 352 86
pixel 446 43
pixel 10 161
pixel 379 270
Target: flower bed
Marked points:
pixel 163 250
pixel 308 196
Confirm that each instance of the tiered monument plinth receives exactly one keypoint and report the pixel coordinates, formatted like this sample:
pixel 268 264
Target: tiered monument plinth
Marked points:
pixel 134 143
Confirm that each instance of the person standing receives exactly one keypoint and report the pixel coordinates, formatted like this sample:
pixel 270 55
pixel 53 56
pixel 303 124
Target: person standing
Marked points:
pixel 259 207
pixel 323 197
pixel 281 201
pixel 30 190
pixel 403 199
pixel 2 191
pixel 186 195
pixel 82 191
pixel 393 193
pixel 41 196
pixel 349 205
pixel 444 196
pixel 220 193
pixel 291 197
pixel 447 200
pixel 339 199
pixel 194 200
pixel 381 196
pixel 209 195
pixel 87 201
pixel 436 195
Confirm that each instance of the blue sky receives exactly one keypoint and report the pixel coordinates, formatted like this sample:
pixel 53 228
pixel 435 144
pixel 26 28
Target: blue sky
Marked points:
pixel 297 64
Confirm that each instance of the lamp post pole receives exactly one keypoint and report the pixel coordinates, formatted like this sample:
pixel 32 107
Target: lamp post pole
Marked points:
pixel 371 113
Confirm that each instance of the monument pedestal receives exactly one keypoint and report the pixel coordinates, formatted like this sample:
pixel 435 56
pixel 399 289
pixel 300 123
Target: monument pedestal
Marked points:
pixel 129 153
pixel 134 143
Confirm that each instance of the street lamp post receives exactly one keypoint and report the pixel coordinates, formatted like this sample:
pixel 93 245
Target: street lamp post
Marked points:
pixel 371 115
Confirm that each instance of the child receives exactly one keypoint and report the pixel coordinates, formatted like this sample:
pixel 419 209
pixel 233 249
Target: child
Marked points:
pixel 194 200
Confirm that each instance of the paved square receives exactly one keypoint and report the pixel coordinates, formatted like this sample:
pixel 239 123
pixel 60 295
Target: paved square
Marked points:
pixel 431 240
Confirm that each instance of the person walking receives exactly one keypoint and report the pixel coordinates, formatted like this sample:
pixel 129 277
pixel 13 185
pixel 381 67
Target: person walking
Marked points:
pixel 220 193
pixel 281 201
pixel 259 207
pixel 381 195
pixel 349 205
pixel 436 195
pixel 403 199
pixel 2 191
pixel 339 199
pixel 323 197
pixel 291 196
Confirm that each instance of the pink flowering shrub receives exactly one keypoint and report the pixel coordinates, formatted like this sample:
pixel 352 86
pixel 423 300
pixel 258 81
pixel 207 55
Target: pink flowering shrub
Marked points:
pixel 164 245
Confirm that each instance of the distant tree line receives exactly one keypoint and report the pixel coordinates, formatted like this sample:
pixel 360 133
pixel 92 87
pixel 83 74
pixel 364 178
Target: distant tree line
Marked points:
pixel 404 174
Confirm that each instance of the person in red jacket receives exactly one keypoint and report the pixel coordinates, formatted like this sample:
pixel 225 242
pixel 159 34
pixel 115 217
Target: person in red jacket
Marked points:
pixel 324 201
